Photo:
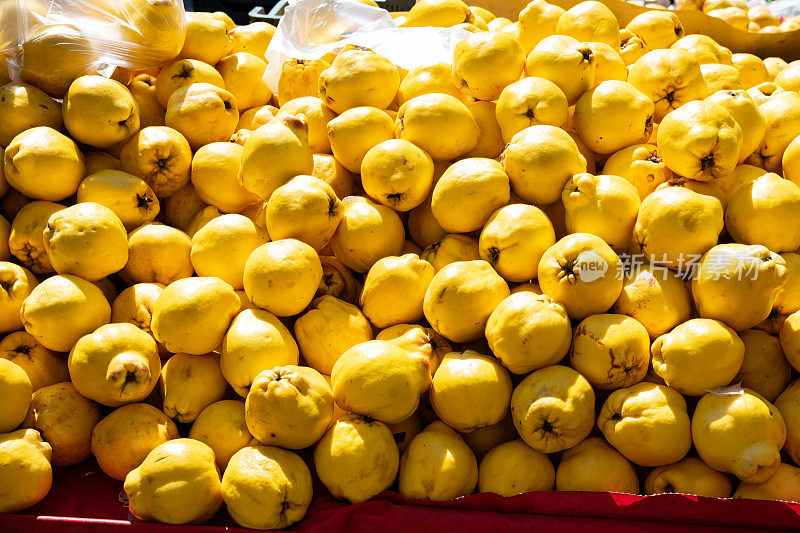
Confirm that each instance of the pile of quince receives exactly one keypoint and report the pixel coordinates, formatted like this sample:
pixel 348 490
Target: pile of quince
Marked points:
pixel 565 260
pixel 738 14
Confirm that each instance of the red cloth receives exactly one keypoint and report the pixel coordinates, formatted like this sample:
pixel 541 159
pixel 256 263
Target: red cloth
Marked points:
pixel 83 497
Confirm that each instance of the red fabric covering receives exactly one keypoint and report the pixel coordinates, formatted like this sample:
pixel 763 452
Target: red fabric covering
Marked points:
pixel 83 497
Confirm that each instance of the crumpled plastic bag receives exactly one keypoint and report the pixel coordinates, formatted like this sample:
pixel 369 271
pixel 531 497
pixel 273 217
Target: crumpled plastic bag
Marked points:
pixel 310 29
pixel 779 8
pixel 731 390
pixel 51 42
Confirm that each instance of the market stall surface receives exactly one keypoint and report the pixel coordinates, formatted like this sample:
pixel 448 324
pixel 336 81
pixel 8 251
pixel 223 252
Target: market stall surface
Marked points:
pixel 83 497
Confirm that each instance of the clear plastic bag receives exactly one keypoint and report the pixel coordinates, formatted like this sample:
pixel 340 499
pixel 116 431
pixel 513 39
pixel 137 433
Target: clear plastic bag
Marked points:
pixel 779 8
pixel 51 42
pixel 310 29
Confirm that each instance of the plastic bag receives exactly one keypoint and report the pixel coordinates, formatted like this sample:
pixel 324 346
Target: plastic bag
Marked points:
pixel 730 390
pixel 49 43
pixel 310 29
pixel 779 8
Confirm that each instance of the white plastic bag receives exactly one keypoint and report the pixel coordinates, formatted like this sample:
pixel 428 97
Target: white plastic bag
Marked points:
pixel 310 29
pixel 779 8
pixel 50 42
